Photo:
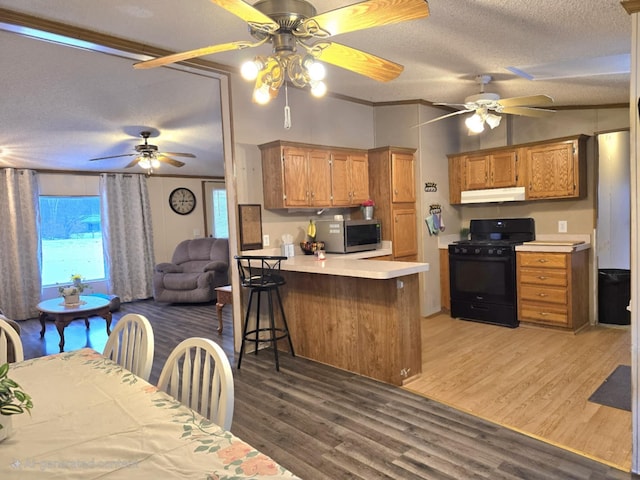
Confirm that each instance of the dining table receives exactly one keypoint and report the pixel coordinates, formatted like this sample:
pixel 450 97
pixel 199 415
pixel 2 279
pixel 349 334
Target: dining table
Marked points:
pixel 92 418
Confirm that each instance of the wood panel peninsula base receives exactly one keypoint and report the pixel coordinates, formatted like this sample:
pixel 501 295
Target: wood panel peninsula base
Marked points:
pixel 369 326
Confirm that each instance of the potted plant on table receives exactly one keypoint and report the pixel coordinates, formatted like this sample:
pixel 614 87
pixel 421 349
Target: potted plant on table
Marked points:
pixel 13 401
pixel 71 293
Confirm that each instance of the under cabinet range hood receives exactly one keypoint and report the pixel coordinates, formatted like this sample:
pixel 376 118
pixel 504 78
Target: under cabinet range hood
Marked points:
pixel 511 194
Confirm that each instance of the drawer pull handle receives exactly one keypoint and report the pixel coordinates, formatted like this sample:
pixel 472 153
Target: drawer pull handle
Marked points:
pixel 543 260
pixel 542 277
pixel 544 314
pixel 542 295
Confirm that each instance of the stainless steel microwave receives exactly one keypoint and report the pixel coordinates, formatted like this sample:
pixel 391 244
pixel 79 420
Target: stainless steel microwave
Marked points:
pixel 348 236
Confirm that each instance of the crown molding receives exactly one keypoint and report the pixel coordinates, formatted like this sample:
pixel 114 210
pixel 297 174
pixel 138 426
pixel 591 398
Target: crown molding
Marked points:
pixel 631 6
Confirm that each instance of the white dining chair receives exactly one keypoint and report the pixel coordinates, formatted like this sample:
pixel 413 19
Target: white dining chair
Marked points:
pixel 131 344
pixel 9 341
pixel 197 373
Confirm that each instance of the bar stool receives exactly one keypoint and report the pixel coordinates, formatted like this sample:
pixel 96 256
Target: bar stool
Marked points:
pixel 260 274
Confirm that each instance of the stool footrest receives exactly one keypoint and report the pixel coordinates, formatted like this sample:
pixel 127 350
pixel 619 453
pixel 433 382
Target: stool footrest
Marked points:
pixel 284 334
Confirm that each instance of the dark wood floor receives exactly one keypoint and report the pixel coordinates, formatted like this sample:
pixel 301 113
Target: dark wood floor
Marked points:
pixel 326 424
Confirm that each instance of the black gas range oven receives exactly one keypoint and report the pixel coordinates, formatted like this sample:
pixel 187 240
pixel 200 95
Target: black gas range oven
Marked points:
pixel 483 270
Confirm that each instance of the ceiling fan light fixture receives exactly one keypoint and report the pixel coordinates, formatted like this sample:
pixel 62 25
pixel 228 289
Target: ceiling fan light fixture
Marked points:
pixel 261 94
pixel 250 69
pixel 475 123
pixel 493 120
pixel 318 89
pixel 144 162
pixel 315 70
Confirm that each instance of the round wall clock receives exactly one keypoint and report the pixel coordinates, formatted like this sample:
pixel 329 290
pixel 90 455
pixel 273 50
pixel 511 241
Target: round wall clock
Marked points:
pixel 182 201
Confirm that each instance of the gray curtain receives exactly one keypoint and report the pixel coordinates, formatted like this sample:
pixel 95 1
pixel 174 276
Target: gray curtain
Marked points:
pixel 20 249
pixel 127 235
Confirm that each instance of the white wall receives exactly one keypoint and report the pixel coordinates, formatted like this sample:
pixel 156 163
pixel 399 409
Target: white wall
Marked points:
pixel 614 201
pixel 395 125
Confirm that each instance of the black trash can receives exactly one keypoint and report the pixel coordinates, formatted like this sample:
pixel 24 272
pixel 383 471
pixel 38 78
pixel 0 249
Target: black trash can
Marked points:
pixel 614 293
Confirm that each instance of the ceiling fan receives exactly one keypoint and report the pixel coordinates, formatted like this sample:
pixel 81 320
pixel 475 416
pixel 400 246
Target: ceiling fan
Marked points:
pixel 148 156
pixel 292 24
pixel 483 104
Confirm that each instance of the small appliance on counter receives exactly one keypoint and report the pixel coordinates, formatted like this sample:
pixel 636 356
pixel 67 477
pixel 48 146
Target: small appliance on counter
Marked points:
pixel 348 236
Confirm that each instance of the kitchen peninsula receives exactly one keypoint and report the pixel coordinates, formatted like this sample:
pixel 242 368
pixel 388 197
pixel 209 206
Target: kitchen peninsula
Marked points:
pixel 355 313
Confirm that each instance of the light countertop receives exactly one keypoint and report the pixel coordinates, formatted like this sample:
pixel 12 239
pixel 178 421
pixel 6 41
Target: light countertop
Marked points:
pixel 361 264
pixel 560 243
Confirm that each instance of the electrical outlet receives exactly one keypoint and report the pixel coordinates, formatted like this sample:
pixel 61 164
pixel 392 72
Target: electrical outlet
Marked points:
pixel 265 240
pixel 562 226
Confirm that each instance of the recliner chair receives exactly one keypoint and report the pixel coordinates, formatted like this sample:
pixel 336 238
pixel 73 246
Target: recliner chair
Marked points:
pixel 198 266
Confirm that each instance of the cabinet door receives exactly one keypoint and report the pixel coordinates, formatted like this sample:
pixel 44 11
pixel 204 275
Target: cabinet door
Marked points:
pixel 445 287
pixel 402 178
pixel 319 178
pixel 359 177
pixel 295 177
pixel 551 171
pixel 349 178
pixel 502 170
pixel 340 190
pixel 405 236
pixel 476 172
pixel 496 170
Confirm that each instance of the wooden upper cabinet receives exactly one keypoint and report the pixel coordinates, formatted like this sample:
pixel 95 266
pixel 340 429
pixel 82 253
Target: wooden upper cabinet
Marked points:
pixel 495 170
pixel 294 167
pixel 551 169
pixel 307 177
pixel 403 177
pixel 349 178
pixel 300 175
pixel 503 169
pixel 359 177
pixel 319 178
pixel 554 170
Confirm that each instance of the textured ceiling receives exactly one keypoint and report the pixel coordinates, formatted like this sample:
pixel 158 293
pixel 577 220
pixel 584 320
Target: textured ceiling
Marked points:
pixel 52 93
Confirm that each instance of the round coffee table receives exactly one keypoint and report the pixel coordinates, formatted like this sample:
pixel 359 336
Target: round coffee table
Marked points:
pixel 63 315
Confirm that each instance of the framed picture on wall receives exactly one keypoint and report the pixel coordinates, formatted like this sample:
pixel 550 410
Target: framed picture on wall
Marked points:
pixel 250 221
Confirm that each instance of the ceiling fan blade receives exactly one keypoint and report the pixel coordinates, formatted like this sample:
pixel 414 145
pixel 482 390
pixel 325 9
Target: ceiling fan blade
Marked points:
pixel 443 117
pixel 133 163
pixel 177 154
pixel 247 13
pixel 530 101
pixel 170 161
pixel 528 112
pixel 112 156
pixel 367 14
pixel 450 104
pixel 198 52
pixel 360 62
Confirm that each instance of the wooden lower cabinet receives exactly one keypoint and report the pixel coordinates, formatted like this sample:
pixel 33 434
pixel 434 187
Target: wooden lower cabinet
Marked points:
pixel 445 287
pixel 405 235
pixel 553 288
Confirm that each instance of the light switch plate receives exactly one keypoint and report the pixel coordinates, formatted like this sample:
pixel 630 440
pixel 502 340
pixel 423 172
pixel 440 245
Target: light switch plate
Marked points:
pixel 265 240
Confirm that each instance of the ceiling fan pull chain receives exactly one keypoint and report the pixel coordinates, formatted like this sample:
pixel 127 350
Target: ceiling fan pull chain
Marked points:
pixel 287 110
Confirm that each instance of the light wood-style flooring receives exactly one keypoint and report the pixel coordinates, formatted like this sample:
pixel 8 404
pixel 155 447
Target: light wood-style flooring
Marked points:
pixel 531 379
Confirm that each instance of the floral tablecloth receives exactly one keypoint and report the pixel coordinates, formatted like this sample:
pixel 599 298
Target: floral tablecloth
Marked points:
pixel 93 419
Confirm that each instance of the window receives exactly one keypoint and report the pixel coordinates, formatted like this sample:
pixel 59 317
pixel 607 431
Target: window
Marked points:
pixel 218 222
pixel 71 234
